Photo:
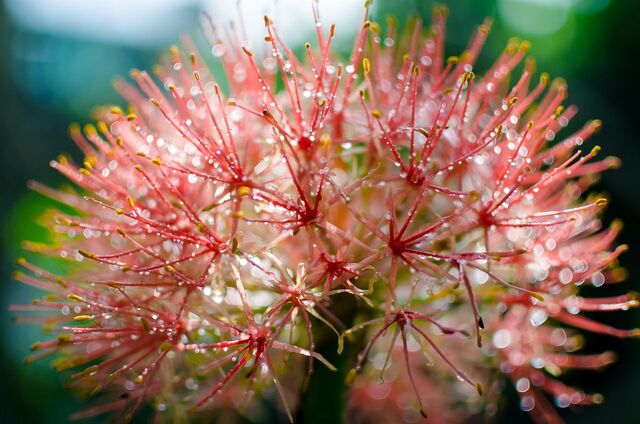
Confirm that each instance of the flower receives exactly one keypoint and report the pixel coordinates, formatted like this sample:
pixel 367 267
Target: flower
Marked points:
pixel 216 231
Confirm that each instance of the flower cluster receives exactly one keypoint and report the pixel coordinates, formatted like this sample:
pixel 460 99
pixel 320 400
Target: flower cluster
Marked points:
pixel 218 231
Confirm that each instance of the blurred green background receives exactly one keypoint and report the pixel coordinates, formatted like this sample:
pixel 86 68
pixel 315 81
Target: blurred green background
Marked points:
pixel 60 56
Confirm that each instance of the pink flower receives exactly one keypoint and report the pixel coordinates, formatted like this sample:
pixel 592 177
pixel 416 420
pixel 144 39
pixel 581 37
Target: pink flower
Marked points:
pixel 216 230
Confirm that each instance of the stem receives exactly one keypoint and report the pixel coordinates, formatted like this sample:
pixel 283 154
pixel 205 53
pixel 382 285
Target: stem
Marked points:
pixel 325 400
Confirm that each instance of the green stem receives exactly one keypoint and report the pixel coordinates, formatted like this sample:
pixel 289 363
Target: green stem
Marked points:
pixel 325 400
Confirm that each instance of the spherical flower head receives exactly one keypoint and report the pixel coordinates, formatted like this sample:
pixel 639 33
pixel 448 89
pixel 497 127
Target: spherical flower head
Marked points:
pixel 396 202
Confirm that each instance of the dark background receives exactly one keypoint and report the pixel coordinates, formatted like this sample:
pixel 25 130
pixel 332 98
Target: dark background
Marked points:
pixel 49 79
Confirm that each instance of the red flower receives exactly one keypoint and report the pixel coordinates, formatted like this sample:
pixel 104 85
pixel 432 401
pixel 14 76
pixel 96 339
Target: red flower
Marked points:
pixel 214 228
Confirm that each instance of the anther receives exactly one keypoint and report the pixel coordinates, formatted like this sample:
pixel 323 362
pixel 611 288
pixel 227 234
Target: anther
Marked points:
pixel 366 65
pixel 243 191
pixel 75 298
pixel 595 125
pixel 82 318
pixel 87 254
pixel 64 338
pixel 544 78
pixel 601 202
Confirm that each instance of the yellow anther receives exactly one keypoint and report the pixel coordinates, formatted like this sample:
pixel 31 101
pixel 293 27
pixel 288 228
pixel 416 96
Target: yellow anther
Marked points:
pixel 102 127
pixel 64 338
pixel 351 376
pixel 74 128
pixel 63 160
pixel 613 162
pixel 366 65
pixel 558 112
pixel 243 191
pixel 145 324
pixel 90 130
pixel 87 254
pixel 82 318
pixel 544 78
pixel 537 296
pixel 595 125
pixel 75 298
